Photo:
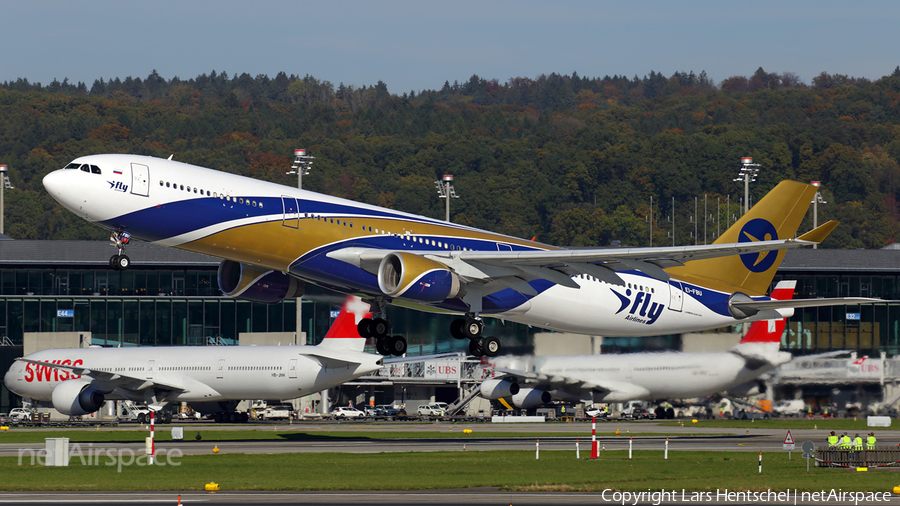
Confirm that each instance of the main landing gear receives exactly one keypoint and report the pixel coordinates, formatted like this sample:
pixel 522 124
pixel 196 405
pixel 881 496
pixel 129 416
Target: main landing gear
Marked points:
pixel 379 328
pixel 471 328
pixel 120 260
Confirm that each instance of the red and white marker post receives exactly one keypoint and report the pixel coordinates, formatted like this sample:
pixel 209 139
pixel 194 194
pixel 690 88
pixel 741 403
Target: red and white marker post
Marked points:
pixel 594 451
pixel 152 440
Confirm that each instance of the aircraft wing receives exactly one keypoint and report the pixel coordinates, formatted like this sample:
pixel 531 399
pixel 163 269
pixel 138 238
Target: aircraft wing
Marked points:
pixel 513 269
pixel 759 305
pixel 112 378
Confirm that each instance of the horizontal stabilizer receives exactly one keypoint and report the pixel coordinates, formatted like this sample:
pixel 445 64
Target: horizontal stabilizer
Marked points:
pixel 751 307
pixel 819 233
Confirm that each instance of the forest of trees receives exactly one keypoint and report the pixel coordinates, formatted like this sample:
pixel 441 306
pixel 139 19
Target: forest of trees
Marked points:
pixel 570 160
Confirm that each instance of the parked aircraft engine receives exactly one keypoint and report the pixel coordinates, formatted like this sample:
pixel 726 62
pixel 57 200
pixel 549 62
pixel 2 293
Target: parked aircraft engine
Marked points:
pixel 752 387
pixel 493 389
pixel 531 397
pixel 257 284
pixel 408 276
pixel 76 398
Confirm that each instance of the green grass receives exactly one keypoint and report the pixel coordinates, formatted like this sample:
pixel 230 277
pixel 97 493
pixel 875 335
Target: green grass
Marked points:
pixel 508 470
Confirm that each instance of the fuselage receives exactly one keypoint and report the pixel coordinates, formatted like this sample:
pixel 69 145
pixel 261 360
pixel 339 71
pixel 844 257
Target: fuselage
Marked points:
pixel 293 231
pixel 201 374
pixel 647 376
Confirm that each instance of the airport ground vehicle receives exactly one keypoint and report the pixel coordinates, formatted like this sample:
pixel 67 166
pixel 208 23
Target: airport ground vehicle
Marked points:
pixel 346 412
pixel 433 409
pixel 793 407
pixel 19 415
pixel 277 412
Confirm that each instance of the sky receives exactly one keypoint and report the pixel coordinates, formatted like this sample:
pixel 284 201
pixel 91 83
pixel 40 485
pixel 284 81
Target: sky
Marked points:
pixel 416 45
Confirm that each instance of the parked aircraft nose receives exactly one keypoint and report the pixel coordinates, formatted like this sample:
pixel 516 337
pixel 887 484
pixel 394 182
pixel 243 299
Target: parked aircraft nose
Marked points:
pixel 53 182
pixel 8 377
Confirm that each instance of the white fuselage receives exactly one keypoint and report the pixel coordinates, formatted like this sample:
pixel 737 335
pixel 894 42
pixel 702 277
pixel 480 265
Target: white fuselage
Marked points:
pixel 203 374
pixel 292 230
pixel 645 376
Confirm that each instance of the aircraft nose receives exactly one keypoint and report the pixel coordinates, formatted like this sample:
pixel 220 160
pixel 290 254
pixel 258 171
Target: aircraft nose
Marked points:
pixel 53 182
pixel 8 377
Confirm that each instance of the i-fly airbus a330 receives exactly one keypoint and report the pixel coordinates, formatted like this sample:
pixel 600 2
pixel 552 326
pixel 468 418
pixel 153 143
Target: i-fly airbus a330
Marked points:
pixel 273 238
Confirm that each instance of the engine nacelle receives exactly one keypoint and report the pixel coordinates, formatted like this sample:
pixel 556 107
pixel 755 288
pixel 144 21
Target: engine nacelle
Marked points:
pixel 257 284
pixel 752 387
pixel 493 389
pixel 531 397
pixel 408 276
pixel 76 398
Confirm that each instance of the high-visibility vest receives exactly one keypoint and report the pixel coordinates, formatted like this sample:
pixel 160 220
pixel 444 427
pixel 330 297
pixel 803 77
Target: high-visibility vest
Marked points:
pixel 845 442
pixel 870 443
pixel 857 443
pixel 832 441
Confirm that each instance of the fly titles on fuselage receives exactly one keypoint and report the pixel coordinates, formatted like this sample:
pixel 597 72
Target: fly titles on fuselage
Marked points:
pixel 35 372
pixel 642 308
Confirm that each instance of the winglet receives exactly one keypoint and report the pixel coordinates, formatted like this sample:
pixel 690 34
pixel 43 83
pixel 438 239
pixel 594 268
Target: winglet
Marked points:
pixel 819 234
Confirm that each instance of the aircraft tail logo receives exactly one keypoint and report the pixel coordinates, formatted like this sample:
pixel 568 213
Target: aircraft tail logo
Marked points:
pixel 776 216
pixel 343 333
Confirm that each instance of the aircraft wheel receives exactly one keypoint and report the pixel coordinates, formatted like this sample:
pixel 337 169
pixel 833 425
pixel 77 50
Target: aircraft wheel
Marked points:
pixel 142 418
pixel 381 346
pixel 245 417
pixel 660 412
pixel 456 328
pixel 490 346
pixel 397 345
pixel 165 417
pixel 364 327
pixel 379 328
pixel 218 417
pixel 473 328
pixel 475 348
pixel 122 262
pixel 112 262
pixel 670 413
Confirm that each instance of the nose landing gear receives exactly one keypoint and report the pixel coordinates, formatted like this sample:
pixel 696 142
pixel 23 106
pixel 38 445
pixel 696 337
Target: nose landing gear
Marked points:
pixel 120 261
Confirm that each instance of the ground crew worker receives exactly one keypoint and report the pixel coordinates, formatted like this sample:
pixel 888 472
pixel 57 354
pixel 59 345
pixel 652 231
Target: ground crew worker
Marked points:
pixel 826 412
pixel 832 440
pixel 845 442
pixel 809 409
pixel 870 441
pixel 857 442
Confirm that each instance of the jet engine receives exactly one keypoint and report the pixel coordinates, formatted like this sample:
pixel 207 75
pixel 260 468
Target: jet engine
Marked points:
pixel 752 387
pixel 496 388
pixel 531 397
pixel 408 276
pixel 76 398
pixel 257 284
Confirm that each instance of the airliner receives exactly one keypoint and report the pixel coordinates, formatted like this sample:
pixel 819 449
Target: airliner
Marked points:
pixel 274 238
pixel 212 379
pixel 533 381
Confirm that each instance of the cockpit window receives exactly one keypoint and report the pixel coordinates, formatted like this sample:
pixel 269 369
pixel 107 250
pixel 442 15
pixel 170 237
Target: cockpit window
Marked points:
pixel 73 165
pixel 85 168
pixel 95 169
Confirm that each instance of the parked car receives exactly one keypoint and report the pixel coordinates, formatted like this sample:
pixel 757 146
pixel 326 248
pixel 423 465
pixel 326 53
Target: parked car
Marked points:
pixel 19 415
pixel 345 413
pixel 387 410
pixel 433 409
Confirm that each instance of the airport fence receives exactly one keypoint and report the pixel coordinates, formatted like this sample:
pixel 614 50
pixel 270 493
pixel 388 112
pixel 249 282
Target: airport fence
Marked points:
pixel 881 456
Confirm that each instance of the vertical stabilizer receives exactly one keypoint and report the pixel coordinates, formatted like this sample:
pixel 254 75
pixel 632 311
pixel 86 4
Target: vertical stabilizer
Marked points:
pixel 776 216
pixel 343 334
pixel 770 331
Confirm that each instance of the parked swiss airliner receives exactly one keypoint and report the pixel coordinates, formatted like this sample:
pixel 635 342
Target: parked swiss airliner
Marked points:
pixel 532 381
pixel 212 379
pixel 273 238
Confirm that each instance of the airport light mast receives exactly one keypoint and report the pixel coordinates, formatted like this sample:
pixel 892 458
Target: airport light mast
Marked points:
pixel 446 191
pixel 302 165
pixel 815 202
pixel 4 185
pixel 748 173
